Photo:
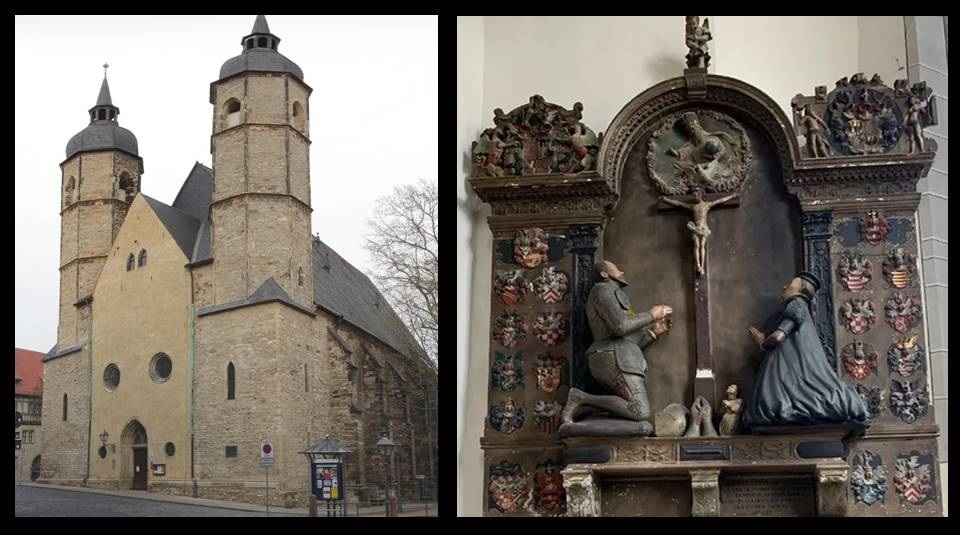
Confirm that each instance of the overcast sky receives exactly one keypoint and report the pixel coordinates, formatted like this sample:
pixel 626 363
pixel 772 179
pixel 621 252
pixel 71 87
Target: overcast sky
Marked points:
pixel 374 83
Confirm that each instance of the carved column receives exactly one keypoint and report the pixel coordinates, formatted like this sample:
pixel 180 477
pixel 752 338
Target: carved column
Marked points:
pixel 706 492
pixel 585 239
pixel 583 494
pixel 832 490
pixel 816 254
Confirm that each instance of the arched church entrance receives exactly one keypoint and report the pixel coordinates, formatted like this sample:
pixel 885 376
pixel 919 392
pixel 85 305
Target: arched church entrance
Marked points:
pixel 133 468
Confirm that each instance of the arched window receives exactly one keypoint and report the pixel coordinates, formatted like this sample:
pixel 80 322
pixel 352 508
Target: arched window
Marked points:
pixel 232 109
pixel 249 44
pixel 231 376
pixel 143 258
pixel 68 192
pixel 262 42
pixel 64 406
pixel 127 185
pixel 101 114
pixel 131 262
pixel 273 44
pixel 113 114
pixel 299 119
pixel 300 277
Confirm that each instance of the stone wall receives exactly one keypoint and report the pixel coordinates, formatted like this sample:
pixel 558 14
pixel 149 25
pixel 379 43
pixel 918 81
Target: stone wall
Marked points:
pixel 136 315
pixel 64 451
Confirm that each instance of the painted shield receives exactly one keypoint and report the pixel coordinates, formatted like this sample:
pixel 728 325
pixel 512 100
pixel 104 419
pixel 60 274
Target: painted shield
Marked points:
pixel 507 371
pixel 903 312
pixel 857 315
pixel 908 399
pixel 551 285
pixel 510 330
pixel 547 414
pixel 530 247
pixel 506 416
pixel 549 496
pixel 551 328
pixel 509 490
pixel 510 286
pixel 914 478
pixel 854 271
pixel 868 478
pixel 873 228
pixel 906 356
pixel 550 371
pixel 900 268
pixel 859 359
pixel 872 398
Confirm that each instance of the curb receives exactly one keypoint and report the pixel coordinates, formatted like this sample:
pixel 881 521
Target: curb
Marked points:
pixel 183 500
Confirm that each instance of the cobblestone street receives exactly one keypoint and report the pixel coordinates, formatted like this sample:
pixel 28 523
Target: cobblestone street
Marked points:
pixel 35 501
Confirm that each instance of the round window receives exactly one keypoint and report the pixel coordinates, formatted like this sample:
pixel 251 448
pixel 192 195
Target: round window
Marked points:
pixel 111 377
pixel 160 368
pixel 170 449
pixel 102 452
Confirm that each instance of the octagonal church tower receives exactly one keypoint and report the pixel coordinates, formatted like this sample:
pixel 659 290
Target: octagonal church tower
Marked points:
pixel 256 324
pixel 100 179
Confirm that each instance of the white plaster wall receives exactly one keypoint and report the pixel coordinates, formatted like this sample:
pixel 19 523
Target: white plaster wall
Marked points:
pixel 882 48
pixel 469 123
pixel 604 62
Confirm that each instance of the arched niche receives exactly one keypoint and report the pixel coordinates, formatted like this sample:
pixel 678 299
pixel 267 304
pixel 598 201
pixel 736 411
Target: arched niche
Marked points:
pixel 754 248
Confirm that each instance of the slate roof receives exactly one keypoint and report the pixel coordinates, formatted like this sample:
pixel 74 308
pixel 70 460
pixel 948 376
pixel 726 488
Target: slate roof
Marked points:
pixel 196 193
pixel 260 25
pixel 182 226
pixel 260 58
pixel 267 292
pixel 344 290
pixel 103 134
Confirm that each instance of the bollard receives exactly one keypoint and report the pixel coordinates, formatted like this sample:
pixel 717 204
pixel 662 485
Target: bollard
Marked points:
pixel 313 505
pixel 393 506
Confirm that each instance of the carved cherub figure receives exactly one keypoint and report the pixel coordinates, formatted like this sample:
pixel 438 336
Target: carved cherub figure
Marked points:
pixel 698 226
pixel 914 127
pixel 816 145
pixel 732 407
pixel 697 38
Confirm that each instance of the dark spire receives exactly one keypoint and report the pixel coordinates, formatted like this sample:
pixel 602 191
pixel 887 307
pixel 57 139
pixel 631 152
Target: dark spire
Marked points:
pixel 260 25
pixel 260 38
pixel 104 110
pixel 104 98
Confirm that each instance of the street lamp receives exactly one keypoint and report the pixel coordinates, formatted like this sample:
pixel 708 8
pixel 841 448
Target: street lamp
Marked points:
pixel 385 447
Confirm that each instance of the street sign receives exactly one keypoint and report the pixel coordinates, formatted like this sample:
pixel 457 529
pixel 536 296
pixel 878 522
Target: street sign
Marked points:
pixel 266 462
pixel 266 450
pixel 19 419
pixel 18 444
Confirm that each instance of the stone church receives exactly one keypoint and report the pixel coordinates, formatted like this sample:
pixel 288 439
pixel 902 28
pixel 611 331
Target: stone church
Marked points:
pixel 191 332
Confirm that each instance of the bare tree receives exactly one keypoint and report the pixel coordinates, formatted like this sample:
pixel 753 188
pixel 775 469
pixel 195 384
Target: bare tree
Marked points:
pixel 402 238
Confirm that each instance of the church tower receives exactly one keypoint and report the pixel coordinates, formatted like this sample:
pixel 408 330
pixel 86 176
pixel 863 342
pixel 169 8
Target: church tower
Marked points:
pixel 100 178
pixel 260 212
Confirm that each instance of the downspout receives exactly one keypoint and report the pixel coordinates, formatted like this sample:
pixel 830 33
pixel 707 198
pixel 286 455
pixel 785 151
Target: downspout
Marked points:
pixel 193 476
pixel 89 389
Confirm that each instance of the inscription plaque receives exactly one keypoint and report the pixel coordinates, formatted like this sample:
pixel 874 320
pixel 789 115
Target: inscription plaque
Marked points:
pixel 767 495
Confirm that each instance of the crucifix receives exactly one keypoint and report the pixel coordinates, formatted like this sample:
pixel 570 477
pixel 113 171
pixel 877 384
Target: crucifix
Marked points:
pixel 700 205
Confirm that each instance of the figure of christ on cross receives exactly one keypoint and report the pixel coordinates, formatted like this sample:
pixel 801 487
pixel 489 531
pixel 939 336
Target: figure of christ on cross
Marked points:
pixel 699 226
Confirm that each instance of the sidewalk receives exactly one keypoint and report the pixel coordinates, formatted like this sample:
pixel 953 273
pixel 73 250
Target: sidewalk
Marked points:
pixel 409 509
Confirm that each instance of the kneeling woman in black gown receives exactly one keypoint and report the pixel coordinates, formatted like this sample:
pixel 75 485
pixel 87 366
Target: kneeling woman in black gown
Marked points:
pixel 796 384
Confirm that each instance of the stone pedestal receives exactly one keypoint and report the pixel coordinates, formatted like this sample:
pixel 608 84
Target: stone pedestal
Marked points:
pixel 771 475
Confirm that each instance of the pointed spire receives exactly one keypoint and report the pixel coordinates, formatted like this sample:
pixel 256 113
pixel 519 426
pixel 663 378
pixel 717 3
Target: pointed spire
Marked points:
pixel 104 98
pixel 104 110
pixel 260 25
